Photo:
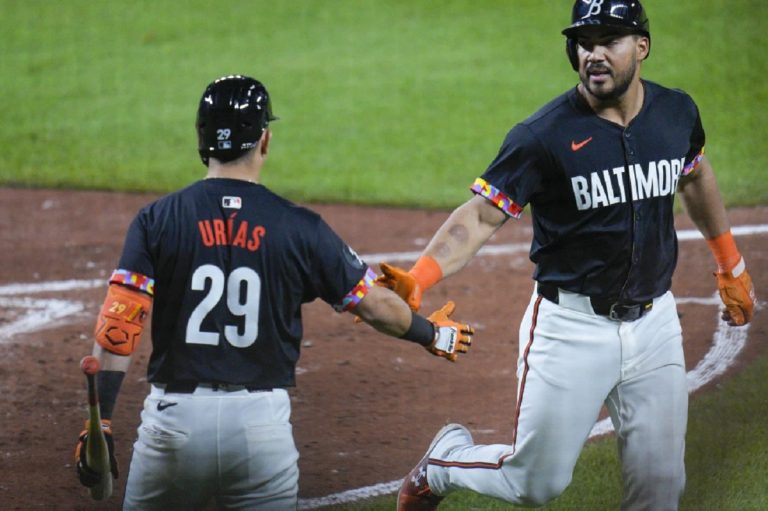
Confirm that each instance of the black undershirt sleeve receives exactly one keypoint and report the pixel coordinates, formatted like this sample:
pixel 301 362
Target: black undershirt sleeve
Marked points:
pixel 421 330
pixel 108 384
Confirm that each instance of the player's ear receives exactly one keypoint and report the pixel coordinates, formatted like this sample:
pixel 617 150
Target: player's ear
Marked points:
pixel 643 47
pixel 264 142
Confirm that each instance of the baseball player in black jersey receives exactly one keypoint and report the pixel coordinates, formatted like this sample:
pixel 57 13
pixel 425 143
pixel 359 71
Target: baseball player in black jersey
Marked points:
pixel 599 167
pixel 224 265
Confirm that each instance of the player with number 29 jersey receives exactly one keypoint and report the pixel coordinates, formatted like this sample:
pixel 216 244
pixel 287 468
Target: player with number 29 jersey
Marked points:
pixel 224 266
pixel 232 263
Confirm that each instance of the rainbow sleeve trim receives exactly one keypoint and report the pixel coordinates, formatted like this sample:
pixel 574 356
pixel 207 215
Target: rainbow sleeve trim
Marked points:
pixel 134 280
pixel 694 163
pixel 358 292
pixel 497 197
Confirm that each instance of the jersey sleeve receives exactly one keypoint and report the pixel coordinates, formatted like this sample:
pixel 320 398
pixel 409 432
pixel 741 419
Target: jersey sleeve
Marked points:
pixel 696 151
pixel 514 175
pixel 135 268
pixel 339 276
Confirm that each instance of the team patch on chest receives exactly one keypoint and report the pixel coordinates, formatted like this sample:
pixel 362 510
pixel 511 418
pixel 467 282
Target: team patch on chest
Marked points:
pixel 607 187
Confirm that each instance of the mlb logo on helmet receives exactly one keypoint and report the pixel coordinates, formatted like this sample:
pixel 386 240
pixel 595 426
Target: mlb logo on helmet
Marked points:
pixel 232 202
pixel 225 144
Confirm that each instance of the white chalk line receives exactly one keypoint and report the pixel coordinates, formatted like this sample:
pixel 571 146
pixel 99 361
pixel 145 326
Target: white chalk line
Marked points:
pixel 513 248
pixel 43 314
pixel 51 286
pixel 38 314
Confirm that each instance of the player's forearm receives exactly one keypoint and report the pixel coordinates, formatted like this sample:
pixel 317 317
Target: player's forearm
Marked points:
pixel 108 383
pixel 451 248
pixel 702 201
pixel 388 313
pixel 461 236
pixel 701 198
pixel 384 311
pixel 110 378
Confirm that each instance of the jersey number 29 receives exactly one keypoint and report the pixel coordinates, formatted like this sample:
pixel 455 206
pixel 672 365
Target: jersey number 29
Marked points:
pixel 232 285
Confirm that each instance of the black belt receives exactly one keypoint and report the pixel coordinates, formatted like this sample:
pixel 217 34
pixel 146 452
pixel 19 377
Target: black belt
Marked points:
pixel 616 311
pixel 188 387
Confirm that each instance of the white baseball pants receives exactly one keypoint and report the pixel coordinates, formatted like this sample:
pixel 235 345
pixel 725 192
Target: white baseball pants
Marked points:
pixel 234 447
pixel 571 362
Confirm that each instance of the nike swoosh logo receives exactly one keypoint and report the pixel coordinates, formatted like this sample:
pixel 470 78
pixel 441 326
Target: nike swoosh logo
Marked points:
pixel 162 405
pixel 576 146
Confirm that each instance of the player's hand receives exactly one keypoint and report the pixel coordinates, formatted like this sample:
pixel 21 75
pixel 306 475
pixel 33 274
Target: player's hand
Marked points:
pixel 89 477
pixel 402 283
pixel 451 337
pixel 738 295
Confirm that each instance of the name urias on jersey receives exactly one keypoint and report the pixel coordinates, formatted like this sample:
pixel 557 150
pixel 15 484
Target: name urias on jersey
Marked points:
pixel 606 187
pixel 217 232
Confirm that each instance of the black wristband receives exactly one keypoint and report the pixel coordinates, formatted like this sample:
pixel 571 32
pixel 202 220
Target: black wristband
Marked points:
pixel 421 330
pixel 108 384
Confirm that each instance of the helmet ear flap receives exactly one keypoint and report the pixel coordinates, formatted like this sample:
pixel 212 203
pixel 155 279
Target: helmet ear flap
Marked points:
pixel 572 52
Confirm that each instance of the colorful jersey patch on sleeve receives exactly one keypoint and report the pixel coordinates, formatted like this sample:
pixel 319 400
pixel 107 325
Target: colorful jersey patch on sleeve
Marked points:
pixel 358 292
pixel 134 280
pixel 497 197
pixel 694 163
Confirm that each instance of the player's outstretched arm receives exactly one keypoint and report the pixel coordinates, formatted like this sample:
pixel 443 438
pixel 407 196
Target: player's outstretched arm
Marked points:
pixel 454 244
pixel 701 198
pixel 439 334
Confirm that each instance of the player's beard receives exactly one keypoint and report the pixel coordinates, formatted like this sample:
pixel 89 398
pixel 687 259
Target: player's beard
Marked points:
pixel 621 82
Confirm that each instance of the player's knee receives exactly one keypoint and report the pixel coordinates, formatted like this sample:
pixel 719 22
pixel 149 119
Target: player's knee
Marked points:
pixel 659 490
pixel 545 493
pixel 540 490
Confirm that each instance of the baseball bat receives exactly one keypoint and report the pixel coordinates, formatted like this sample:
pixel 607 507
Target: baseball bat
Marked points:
pixel 96 450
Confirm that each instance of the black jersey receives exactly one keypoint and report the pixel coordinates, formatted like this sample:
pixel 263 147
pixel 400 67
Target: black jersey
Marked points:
pixel 231 264
pixel 601 195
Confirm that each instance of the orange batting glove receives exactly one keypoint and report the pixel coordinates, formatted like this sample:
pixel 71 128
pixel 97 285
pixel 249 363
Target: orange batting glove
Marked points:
pixel 411 285
pixel 402 283
pixel 738 295
pixel 451 337
pixel 733 281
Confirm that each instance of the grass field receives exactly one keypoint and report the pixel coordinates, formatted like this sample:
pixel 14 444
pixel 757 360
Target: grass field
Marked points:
pixel 398 102
pixel 379 100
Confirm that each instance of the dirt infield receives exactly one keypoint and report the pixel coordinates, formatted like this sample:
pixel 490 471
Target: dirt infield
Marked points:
pixel 365 406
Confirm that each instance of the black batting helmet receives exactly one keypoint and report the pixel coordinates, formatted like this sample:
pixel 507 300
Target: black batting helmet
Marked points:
pixel 625 15
pixel 233 113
